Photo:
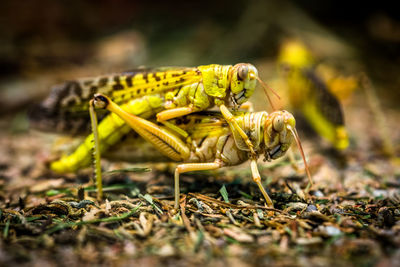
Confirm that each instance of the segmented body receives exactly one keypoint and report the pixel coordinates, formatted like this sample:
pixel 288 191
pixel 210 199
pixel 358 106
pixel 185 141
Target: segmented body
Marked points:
pixel 143 93
pixel 210 137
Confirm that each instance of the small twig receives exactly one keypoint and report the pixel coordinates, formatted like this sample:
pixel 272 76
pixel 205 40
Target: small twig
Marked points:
pixel 185 219
pixel 233 206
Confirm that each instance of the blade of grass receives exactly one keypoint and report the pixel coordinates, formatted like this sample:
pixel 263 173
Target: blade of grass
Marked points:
pixel 6 228
pixel 245 194
pixel 129 170
pixel 224 194
pixel 199 241
pixel 53 192
pixel 149 199
pixel 110 188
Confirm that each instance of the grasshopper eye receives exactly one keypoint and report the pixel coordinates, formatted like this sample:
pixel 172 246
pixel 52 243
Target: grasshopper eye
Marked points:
pixel 278 123
pixel 242 72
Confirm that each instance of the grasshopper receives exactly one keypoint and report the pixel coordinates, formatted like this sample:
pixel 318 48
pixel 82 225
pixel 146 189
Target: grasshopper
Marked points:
pixel 211 142
pixel 310 95
pixel 166 93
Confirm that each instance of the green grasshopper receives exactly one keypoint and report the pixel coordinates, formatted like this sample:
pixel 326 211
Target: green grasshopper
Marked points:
pixel 312 96
pixel 165 93
pixel 211 142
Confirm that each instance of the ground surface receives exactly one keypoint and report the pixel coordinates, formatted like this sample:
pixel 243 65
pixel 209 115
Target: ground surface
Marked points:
pixel 351 218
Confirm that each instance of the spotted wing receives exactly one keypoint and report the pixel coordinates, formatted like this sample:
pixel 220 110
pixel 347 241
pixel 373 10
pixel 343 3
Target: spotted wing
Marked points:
pixel 66 108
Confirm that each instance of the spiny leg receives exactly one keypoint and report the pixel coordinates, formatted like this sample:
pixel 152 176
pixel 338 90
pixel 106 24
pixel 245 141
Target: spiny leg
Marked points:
pixel 257 180
pixel 96 152
pixel 231 120
pixel 166 142
pixel 111 129
pixel 188 167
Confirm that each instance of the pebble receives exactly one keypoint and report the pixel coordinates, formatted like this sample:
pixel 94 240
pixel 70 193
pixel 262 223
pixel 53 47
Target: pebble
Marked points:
pixel 380 193
pixel 297 206
pixel 330 230
pixel 318 193
pixel 311 208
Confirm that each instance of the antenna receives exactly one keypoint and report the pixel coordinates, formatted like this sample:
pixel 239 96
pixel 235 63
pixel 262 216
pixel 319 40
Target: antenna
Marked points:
pixel 297 138
pixel 266 87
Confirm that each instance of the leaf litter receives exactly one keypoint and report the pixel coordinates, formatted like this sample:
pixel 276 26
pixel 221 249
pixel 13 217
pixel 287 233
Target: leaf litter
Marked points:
pixel 350 218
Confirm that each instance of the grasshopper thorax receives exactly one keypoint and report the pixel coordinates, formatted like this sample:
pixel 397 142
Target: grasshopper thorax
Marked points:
pixel 242 82
pixel 277 134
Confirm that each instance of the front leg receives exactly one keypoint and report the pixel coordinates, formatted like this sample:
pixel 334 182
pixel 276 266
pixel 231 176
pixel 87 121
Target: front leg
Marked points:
pixel 257 180
pixel 232 122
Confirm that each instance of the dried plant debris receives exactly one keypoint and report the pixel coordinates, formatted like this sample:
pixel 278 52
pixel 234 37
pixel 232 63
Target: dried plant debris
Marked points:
pixel 219 221
pixel 350 216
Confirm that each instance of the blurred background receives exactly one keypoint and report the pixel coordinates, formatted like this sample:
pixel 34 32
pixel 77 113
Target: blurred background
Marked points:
pixel 45 42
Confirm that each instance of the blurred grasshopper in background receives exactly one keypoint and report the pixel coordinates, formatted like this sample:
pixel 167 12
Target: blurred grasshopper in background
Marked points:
pixel 207 141
pixel 315 95
pixel 166 93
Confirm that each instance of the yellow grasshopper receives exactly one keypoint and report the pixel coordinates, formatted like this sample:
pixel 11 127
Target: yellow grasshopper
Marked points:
pixel 311 95
pixel 165 93
pixel 211 142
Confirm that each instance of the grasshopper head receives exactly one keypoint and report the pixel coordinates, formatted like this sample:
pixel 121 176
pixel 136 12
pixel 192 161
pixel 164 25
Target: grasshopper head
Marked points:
pixel 294 55
pixel 279 131
pixel 277 134
pixel 243 81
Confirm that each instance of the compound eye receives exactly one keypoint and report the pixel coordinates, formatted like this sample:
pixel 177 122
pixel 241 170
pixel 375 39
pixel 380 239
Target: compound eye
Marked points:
pixel 242 72
pixel 278 123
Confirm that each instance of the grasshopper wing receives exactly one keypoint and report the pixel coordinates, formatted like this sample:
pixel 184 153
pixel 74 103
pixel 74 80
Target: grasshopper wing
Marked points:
pixel 65 110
